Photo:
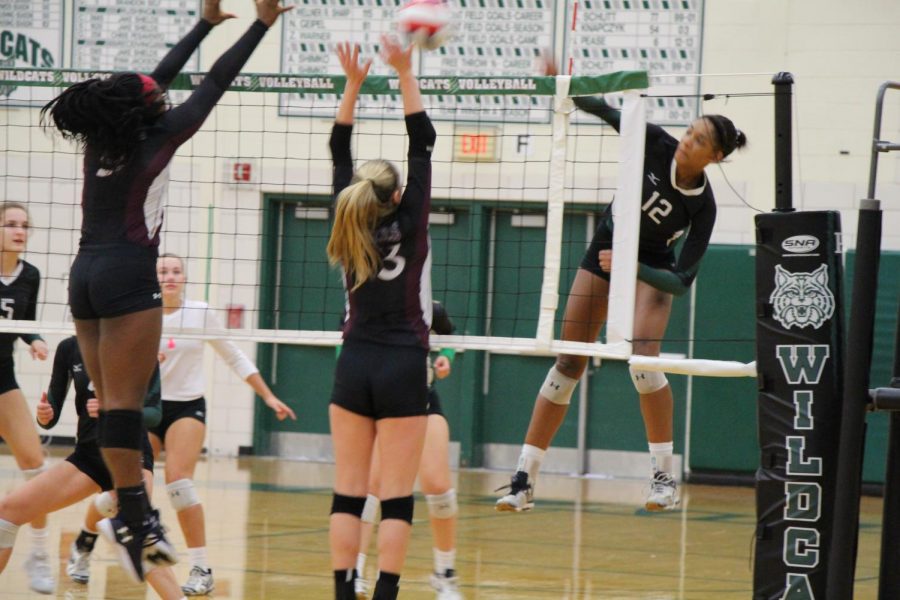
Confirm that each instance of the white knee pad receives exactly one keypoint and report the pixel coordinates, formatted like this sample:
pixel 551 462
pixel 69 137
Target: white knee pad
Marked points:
pixel 370 510
pixel 647 382
pixel 443 506
pixel 8 533
pixel 32 473
pixel 558 388
pixel 182 494
pixel 106 505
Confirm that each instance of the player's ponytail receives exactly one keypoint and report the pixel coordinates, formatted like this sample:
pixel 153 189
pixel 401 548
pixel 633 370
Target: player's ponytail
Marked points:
pixel 728 137
pixel 108 116
pixel 358 208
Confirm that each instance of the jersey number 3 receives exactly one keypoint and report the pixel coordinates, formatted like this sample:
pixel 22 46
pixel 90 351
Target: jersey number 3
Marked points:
pixel 659 211
pixel 393 264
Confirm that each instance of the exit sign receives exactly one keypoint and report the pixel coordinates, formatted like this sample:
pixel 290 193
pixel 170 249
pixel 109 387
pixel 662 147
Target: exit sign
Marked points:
pixel 239 172
pixel 475 144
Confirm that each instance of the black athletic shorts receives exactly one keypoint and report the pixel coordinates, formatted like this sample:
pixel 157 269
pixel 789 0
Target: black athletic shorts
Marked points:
pixel 88 460
pixel 111 280
pixel 8 375
pixel 434 402
pixel 381 381
pixel 602 240
pixel 173 410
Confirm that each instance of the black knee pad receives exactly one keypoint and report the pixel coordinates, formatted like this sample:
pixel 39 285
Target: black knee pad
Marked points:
pixel 101 425
pixel 387 587
pixel 398 508
pixel 351 505
pixel 122 429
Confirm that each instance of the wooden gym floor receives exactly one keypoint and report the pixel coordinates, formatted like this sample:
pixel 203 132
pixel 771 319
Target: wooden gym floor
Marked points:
pixel 267 531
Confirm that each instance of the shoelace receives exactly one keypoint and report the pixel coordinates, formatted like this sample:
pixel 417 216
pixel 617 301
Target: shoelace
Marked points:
pixel 82 561
pixel 196 578
pixel 155 533
pixel 448 581
pixel 449 585
pixel 124 534
pixel 661 481
pixel 516 485
pixel 41 567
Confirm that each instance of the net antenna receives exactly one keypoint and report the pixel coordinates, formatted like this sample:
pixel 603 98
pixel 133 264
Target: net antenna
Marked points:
pixel 627 216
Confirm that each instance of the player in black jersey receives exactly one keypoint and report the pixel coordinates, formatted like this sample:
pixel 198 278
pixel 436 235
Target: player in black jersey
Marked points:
pixel 380 239
pixel 19 283
pixel 435 481
pixel 676 198
pixel 83 472
pixel 129 137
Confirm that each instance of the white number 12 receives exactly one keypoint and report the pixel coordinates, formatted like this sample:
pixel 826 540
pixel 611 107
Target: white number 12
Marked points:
pixel 660 211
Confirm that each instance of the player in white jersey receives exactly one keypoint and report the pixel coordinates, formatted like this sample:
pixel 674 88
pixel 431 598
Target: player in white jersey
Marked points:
pixel 182 430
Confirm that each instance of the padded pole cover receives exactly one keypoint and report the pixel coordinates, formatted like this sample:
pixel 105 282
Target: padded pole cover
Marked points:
pixel 799 356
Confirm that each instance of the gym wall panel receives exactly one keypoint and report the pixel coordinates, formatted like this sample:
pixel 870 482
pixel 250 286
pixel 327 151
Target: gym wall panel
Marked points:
pixel 723 410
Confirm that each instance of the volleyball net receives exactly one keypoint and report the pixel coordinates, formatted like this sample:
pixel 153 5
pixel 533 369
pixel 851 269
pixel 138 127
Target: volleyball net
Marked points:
pixel 517 188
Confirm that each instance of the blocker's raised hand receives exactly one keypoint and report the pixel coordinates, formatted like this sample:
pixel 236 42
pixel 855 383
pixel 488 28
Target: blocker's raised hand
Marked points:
pixel 395 55
pixel 213 14
pixel 268 11
pixel 355 71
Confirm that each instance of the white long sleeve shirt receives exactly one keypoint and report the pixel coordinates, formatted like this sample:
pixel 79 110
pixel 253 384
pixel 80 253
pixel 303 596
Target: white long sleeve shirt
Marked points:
pixel 182 370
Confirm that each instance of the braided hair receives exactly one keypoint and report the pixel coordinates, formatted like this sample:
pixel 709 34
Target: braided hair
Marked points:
pixel 110 116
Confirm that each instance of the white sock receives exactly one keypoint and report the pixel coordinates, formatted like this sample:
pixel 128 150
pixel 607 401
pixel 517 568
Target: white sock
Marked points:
pixel 8 533
pixel 39 540
pixel 444 561
pixel 360 564
pixel 661 456
pixel 199 557
pixel 530 460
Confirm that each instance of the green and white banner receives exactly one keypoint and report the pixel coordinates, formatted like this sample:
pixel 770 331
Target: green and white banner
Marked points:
pixel 374 85
pixel 31 37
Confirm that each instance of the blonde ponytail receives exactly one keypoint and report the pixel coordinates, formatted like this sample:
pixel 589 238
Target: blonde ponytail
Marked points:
pixel 358 208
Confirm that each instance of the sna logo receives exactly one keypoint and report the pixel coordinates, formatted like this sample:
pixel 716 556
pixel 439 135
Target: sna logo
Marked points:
pixel 800 244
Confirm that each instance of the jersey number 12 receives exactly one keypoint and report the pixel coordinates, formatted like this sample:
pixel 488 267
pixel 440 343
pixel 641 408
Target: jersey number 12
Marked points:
pixel 658 212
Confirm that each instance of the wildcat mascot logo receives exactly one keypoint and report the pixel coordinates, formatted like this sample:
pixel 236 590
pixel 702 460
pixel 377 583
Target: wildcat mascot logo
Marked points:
pixel 802 299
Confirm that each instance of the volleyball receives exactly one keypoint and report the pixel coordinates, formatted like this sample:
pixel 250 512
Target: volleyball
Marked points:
pixel 425 22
